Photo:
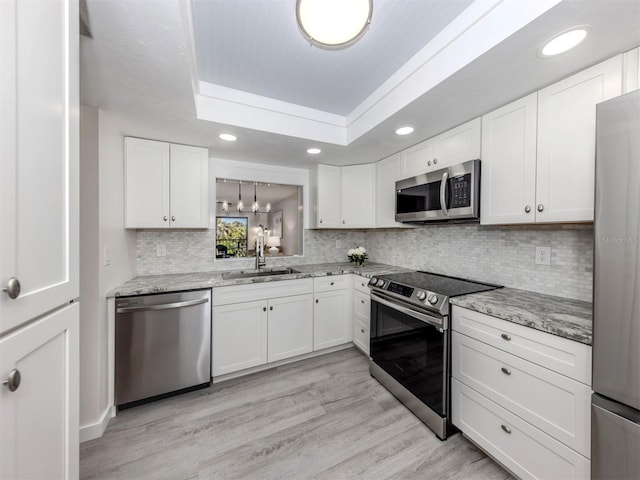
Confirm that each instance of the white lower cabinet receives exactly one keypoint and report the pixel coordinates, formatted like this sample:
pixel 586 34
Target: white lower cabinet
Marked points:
pixel 290 330
pixel 525 450
pixel 332 323
pixel 522 395
pixel 274 322
pixel 361 313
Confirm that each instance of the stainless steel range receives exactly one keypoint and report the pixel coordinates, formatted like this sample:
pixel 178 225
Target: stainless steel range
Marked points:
pixel 410 340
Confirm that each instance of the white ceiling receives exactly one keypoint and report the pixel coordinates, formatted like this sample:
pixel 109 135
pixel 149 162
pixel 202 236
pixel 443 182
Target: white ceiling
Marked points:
pixel 146 66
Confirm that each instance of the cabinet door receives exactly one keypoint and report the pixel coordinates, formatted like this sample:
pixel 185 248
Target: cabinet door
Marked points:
pixel 329 180
pixel 332 324
pixel 508 181
pixel 387 173
pixel 189 187
pixel 38 156
pixel 147 183
pixel 239 336
pixel 457 145
pixel 566 142
pixel 414 159
pixel 39 420
pixel 290 329
pixel 358 199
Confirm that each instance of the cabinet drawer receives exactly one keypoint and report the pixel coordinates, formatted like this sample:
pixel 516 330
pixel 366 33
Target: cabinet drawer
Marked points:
pixel 567 357
pixel 361 336
pixel 261 291
pixel 554 403
pixel 361 306
pixel 522 448
pixel 330 282
pixel 360 284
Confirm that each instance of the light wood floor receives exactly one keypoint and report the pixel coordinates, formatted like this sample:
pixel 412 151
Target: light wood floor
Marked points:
pixel 321 418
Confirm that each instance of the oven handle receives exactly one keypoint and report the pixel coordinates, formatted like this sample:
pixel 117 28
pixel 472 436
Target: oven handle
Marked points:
pixel 423 317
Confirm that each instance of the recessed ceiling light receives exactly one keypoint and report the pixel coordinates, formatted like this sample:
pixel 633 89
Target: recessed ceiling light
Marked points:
pixel 333 23
pixel 563 42
pixel 227 137
pixel 313 151
pixel 404 130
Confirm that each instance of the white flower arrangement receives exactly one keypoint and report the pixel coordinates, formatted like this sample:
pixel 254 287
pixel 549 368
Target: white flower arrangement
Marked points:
pixel 357 255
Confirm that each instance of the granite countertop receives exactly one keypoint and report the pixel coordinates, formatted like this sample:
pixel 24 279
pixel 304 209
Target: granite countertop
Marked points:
pixel 190 281
pixel 564 317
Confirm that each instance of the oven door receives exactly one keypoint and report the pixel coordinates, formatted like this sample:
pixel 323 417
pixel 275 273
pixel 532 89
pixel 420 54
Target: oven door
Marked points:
pixel 411 347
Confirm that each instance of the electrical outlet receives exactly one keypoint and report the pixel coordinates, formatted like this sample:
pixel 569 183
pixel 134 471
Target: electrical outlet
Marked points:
pixel 161 250
pixel 543 255
pixel 338 243
pixel 106 257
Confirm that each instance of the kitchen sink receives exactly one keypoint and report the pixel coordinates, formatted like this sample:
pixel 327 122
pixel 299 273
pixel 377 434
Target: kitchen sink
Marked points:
pixel 258 273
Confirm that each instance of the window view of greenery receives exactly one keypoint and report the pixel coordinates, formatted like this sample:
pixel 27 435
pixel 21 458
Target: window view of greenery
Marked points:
pixel 232 235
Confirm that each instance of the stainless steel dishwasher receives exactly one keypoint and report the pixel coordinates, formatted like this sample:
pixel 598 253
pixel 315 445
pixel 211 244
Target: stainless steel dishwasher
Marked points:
pixel 163 345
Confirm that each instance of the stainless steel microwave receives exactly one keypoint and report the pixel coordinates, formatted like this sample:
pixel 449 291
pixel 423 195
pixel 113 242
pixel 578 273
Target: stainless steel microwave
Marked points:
pixel 450 194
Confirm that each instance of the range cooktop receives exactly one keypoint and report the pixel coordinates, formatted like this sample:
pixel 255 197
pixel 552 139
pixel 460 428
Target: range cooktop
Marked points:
pixel 426 290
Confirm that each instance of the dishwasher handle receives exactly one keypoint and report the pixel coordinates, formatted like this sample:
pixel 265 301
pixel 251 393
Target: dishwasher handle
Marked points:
pixel 164 306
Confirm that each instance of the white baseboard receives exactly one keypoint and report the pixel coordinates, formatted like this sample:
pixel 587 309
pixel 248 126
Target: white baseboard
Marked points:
pixel 95 430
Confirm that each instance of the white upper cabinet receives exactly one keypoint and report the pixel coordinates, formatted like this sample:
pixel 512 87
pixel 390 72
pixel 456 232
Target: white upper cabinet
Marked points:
pixel 538 157
pixel 166 185
pixel 358 201
pixel 414 160
pixel 457 145
pixel 387 173
pixel 328 201
pixel 508 181
pixel 566 142
pixel 38 158
pixel 346 196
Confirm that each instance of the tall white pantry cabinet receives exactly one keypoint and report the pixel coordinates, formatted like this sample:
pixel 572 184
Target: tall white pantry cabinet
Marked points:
pixel 39 283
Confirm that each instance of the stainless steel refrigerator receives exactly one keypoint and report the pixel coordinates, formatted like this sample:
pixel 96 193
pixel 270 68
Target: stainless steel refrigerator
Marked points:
pixel 615 409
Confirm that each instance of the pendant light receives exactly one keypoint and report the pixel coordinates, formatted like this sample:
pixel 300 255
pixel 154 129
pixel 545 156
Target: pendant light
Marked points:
pixel 240 206
pixel 255 207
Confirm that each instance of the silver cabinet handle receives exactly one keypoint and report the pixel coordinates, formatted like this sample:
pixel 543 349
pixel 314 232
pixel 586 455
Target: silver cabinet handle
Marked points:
pixel 173 218
pixel 505 428
pixel 527 209
pixel 443 193
pixel 435 161
pixel 505 337
pixel 331 283
pixel 343 222
pixel 165 306
pixel 165 218
pixel 429 163
pixel 13 380
pixel 316 300
pixel 361 301
pixel 362 330
pixel 264 309
pixel 540 207
pixel 423 317
pixel 506 371
pixel 271 308
pixel 320 220
pixel 12 288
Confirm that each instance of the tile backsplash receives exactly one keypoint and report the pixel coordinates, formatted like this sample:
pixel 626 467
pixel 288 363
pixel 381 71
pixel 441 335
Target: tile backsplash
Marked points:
pixel 503 255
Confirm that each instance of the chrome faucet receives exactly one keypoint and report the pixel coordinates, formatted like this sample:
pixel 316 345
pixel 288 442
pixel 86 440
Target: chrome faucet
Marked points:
pixel 260 260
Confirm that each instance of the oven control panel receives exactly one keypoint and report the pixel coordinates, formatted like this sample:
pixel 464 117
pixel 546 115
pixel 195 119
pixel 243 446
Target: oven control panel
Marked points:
pixel 423 298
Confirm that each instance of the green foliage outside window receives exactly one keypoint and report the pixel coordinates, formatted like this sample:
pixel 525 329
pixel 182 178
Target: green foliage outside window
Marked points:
pixel 231 233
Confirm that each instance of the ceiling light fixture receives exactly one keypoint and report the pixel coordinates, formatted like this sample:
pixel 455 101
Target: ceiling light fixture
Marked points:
pixel 563 42
pixel 333 23
pixel 404 130
pixel 313 151
pixel 227 137
pixel 240 205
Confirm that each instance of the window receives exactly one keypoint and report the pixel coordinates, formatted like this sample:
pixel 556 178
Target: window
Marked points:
pixel 231 237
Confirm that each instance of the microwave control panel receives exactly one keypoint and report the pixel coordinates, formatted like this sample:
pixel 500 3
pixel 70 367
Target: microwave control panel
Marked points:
pixel 460 191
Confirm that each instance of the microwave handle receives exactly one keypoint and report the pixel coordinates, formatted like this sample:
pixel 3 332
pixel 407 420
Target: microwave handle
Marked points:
pixel 443 193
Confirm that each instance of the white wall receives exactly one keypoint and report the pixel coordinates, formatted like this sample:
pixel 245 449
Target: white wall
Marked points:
pixel 90 340
pixel 102 227
pixel 290 223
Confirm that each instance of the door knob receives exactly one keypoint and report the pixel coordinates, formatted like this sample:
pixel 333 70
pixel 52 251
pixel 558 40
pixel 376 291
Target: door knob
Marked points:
pixel 435 161
pixel 429 163
pixel 271 308
pixel 165 218
pixel 505 428
pixel 540 207
pixel 12 288
pixel 506 371
pixel 173 219
pixel 505 337
pixel 527 209
pixel 13 380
